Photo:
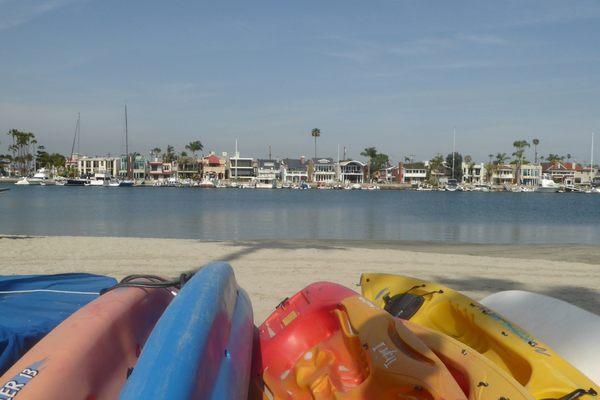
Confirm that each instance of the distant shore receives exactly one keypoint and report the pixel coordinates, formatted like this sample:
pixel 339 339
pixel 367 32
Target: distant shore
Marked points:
pixel 271 270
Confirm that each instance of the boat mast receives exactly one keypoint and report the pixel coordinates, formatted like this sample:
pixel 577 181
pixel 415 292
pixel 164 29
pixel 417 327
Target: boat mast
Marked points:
pixel 236 160
pixel 127 145
pixel 453 151
pixel 75 138
pixel 592 159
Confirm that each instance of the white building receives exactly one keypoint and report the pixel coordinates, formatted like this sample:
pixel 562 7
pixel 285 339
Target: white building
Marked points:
pixel 352 171
pixel 413 173
pixel 293 170
pixel 503 175
pixel 267 171
pixel 241 168
pixel 323 170
pixel 474 173
pixel 530 175
pixel 92 165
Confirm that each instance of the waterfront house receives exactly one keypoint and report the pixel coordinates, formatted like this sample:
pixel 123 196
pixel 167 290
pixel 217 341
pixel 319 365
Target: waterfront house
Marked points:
pixel 188 168
pixel 352 171
pixel 215 167
pixel 160 171
pixel 139 167
pixel 503 175
pixel 473 173
pixel 530 175
pixel 241 168
pixel 88 166
pixel 388 175
pixel 293 170
pixel 267 171
pixel 322 170
pixel 412 173
pixel 560 171
pixel 584 175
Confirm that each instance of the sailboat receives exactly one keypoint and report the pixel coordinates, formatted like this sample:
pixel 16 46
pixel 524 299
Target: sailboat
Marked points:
pixel 76 181
pixel 128 181
pixel 452 185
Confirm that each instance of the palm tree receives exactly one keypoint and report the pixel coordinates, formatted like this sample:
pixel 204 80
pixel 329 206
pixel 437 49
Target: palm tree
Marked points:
pixel 535 145
pixel 169 156
pixel 554 158
pixel 436 167
pixel 156 152
pixel 316 132
pixel 519 153
pixel 501 158
pixel 195 146
pixel 370 153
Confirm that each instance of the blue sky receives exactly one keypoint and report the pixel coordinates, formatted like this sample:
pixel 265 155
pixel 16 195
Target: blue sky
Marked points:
pixel 397 75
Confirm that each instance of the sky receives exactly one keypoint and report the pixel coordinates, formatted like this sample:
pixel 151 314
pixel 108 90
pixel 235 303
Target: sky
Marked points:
pixel 396 75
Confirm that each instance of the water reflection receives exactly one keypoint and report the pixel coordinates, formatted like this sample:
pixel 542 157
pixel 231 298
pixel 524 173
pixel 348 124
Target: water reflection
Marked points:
pixel 288 214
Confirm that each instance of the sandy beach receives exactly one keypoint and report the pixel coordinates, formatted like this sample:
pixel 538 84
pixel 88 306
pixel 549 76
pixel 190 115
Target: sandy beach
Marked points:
pixel 273 270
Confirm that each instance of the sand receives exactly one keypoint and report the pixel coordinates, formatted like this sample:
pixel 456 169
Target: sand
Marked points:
pixel 273 270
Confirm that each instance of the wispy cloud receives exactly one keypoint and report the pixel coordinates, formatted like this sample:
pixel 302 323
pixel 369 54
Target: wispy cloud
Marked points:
pixel 14 13
pixel 361 51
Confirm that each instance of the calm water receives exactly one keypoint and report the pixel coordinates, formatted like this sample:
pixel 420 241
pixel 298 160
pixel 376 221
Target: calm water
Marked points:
pixel 293 214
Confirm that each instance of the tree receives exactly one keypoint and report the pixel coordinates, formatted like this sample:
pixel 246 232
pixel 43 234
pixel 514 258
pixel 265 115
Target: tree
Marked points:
pixel 195 146
pixel 370 153
pixel 519 155
pixel 156 152
pixel 21 149
pixel 169 155
pixel 470 163
pixel 316 132
pixel 501 158
pixel 535 145
pixel 454 166
pixel 436 168
pixel 554 158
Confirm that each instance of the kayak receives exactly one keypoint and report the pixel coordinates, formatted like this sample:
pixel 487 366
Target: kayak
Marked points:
pixel 201 347
pixel 328 342
pixel 571 331
pixel 33 305
pixel 479 377
pixel 89 355
pixel 530 362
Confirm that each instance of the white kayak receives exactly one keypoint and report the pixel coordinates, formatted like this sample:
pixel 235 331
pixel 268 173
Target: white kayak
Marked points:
pixel 571 331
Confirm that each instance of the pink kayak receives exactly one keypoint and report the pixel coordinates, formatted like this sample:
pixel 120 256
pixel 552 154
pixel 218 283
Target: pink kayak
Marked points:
pixel 90 354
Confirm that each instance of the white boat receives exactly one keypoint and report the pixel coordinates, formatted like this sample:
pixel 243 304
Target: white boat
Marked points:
pixel 100 179
pixel 548 186
pixel 39 178
pixel 266 185
pixel 569 330
pixel 207 184
pixel 452 185
pixel 23 181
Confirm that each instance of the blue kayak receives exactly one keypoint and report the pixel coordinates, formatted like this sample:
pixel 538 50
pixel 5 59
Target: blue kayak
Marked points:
pixel 33 305
pixel 201 347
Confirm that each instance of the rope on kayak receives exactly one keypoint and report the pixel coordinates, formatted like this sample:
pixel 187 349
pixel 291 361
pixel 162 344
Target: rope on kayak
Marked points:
pixel 577 394
pixel 151 282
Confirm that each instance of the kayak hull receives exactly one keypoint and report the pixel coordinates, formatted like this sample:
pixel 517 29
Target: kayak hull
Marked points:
pixel 89 355
pixel 202 343
pixel 327 342
pixel 571 331
pixel 529 361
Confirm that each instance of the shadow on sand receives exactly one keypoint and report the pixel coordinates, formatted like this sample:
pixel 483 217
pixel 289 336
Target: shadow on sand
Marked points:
pixel 582 297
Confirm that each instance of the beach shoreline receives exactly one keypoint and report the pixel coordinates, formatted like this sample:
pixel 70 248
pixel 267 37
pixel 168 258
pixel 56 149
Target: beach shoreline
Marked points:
pixel 271 270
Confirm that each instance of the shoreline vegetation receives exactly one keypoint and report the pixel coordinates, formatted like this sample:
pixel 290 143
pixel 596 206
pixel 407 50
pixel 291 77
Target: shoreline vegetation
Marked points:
pixel 271 270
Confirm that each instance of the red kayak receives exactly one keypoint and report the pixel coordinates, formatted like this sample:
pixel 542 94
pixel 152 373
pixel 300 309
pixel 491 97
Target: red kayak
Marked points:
pixel 89 355
pixel 328 342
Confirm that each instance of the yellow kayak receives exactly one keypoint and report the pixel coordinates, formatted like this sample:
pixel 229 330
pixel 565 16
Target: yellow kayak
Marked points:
pixel 531 363
pixel 479 377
